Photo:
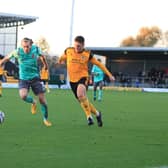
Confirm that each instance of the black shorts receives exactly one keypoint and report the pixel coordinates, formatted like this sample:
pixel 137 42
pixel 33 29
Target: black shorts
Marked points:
pixel 35 84
pixel 44 81
pixel 74 85
pixel 0 77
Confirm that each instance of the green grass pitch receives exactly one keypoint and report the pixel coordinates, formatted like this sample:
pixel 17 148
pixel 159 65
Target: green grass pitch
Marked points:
pixel 134 135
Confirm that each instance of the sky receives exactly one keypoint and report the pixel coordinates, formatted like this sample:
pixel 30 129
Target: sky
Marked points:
pixel 103 23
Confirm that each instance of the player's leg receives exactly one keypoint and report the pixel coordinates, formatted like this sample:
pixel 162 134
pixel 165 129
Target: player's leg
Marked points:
pixel 79 90
pixel 44 109
pixel 96 112
pixel 100 92
pixel 44 82
pixel 47 87
pixel 0 85
pixel 94 90
pixel 23 92
pixel 39 90
pixel 84 102
pixel 87 106
pixel 0 88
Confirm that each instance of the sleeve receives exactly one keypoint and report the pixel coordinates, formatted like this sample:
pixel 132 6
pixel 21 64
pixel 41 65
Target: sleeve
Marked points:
pixel 91 55
pixel 101 66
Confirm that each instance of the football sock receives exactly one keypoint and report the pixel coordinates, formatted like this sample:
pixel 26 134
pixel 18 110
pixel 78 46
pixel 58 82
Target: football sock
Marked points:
pixel 100 94
pixel 47 87
pixel 94 94
pixel 44 110
pixel 93 109
pixel 29 99
pixel 0 88
pixel 84 102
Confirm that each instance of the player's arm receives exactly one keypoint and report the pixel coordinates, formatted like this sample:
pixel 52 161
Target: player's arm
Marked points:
pixel 94 61
pixel 63 58
pixel 42 58
pixel 5 59
pixel 44 62
pixel 8 57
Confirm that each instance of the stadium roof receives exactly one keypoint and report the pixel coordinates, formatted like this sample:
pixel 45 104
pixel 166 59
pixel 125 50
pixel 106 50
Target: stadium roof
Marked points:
pixel 13 20
pixel 131 52
pixel 128 48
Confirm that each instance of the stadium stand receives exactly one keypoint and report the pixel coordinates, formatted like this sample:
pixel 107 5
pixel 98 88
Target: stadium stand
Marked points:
pixel 136 66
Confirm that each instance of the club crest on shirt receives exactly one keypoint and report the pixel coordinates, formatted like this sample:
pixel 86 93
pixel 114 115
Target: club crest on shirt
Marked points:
pixel 83 57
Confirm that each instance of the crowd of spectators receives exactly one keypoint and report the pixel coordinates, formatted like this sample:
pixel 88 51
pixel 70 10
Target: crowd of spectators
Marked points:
pixel 154 78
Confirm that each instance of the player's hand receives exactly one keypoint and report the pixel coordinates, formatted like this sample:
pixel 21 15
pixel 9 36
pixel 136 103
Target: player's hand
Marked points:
pixel 61 62
pixel 112 78
pixel 90 81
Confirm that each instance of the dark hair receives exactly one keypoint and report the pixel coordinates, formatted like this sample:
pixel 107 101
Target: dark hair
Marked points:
pixel 79 39
pixel 26 39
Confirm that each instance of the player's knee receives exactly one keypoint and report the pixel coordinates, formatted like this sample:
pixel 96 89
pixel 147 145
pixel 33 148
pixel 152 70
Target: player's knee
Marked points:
pixel 81 97
pixel 23 96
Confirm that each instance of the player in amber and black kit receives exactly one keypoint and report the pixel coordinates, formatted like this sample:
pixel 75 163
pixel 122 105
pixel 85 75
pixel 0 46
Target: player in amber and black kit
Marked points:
pixel 77 59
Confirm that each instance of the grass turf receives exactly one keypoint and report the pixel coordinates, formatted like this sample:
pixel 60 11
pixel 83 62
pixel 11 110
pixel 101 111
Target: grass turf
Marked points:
pixel 134 135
